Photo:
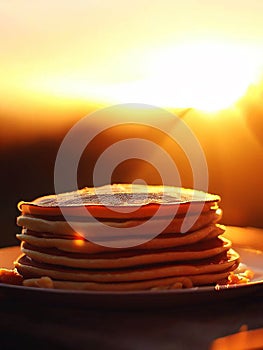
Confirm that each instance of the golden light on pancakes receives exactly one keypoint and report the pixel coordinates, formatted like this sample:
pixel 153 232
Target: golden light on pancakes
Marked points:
pixel 56 256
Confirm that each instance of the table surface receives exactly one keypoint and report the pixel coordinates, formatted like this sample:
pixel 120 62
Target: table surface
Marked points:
pixel 74 327
pixel 192 327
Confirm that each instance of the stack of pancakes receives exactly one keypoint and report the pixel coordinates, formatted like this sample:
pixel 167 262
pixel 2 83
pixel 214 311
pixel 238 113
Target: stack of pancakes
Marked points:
pixel 76 254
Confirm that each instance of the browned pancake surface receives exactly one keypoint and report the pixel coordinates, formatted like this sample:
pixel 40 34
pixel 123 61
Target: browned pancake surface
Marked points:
pixel 112 201
pixel 126 195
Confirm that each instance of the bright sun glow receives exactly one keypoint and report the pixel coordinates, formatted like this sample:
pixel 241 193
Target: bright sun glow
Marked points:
pixel 205 75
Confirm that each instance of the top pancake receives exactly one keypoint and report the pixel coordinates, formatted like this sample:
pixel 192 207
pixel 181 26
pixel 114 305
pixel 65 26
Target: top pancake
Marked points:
pixel 122 201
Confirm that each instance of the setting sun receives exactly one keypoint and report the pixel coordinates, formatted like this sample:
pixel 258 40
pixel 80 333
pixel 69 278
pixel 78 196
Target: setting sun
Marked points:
pixel 207 75
pixel 202 56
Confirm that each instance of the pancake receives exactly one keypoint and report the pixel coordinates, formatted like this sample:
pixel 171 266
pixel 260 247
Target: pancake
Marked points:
pixel 79 245
pixel 155 284
pixel 63 227
pixel 126 258
pixel 223 262
pixel 112 201
pixel 56 255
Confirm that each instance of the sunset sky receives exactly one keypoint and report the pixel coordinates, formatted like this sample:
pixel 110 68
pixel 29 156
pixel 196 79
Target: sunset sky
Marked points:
pixel 57 55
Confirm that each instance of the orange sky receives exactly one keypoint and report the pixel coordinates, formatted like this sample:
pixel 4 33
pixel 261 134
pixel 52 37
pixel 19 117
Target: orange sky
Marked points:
pixel 57 54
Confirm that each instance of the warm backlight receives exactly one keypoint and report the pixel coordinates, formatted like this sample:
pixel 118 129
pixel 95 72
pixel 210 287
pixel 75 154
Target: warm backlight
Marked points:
pixel 201 74
pixel 57 56
pixel 205 75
